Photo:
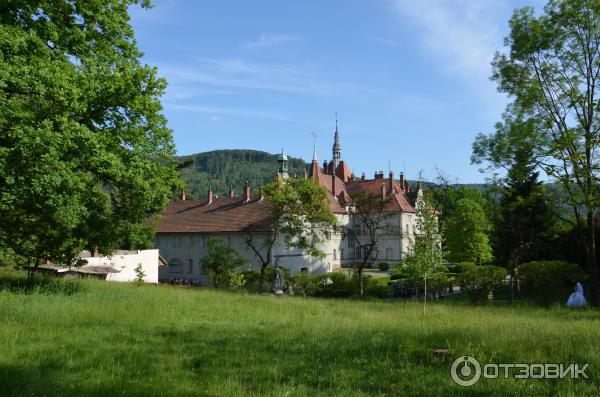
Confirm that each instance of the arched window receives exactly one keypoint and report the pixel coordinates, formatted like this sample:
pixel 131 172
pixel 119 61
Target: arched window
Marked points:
pixel 175 266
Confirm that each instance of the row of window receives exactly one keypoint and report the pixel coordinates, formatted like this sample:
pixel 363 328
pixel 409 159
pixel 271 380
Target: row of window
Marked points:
pixel 362 251
pixel 176 241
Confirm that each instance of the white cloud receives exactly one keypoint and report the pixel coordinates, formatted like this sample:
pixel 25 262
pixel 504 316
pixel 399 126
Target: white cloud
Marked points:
pixel 241 112
pixel 240 74
pixel 270 40
pixel 461 35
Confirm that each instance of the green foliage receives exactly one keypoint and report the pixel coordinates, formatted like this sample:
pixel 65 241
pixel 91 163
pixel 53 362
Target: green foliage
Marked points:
pixel 223 169
pixel 220 262
pixel 302 284
pixel 526 220
pixel 334 285
pixel 550 71
pixel 466 233
pixel 423 261
pixel 139 274
pixel 384 266
pixel 300 213
pixel 478 281
pixel 85 154
pixel 547 281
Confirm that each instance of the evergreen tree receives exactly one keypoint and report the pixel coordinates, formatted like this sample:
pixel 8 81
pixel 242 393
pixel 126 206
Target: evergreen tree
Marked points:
pixel 525 216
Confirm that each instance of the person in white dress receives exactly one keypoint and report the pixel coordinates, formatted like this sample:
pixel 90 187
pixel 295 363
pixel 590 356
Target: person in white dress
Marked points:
pixel 577 299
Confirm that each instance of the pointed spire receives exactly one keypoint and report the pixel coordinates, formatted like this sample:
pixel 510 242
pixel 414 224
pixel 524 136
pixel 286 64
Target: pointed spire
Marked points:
pixel 337 148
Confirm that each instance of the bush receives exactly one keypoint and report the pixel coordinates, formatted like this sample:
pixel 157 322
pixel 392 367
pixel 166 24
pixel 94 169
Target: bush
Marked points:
pixel 543 280
pixel 302 284
pixel 384 266
pixel 478 281
pixel 335 285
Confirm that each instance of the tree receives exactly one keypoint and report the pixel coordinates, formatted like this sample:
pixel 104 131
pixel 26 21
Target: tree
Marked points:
pixel 551 72
pixel 85 154
pixel 220 261
pixel 369 215
pixel 425 256
pixel 526 220
pixel 466 233
pixel 299 216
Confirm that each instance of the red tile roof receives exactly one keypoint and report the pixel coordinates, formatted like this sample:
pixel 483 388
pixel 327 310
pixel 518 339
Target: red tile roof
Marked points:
pixel 229 214
pixel 400 200
pixel 343 172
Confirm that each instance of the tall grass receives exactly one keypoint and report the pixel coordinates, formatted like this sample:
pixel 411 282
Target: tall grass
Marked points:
pixel 101 339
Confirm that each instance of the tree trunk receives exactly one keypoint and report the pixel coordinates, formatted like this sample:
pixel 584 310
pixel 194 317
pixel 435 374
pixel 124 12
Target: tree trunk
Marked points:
pixel 591 259
pixel 262 277
pixel 425 293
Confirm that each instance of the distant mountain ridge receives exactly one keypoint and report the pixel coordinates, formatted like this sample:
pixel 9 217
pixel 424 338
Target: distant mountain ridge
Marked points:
pixel 224 168
pixel 232 167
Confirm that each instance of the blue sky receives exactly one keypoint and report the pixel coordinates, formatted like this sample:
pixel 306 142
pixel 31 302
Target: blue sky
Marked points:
pixel 409 79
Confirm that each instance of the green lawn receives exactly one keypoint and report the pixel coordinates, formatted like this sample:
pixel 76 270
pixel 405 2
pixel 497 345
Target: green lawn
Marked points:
pixel 96 338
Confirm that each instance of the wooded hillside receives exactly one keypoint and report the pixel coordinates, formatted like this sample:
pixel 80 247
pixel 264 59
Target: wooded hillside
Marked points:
pixel 222 168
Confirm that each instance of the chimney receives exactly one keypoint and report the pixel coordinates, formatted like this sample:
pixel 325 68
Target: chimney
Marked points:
pixel 210 194
pixel 231 192
pixel 182 195
pixel 378 174
pixel 391 182
pixel 246 192
pixel 383 196
pixel 402 181
pixel 325 166
pixel 363 177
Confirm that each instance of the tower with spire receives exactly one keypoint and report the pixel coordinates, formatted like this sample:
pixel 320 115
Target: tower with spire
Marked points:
pixel 282 173
pixel 337 148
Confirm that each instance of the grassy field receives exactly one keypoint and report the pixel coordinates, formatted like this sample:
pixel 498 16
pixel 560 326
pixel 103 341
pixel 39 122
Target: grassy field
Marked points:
pixel 93 338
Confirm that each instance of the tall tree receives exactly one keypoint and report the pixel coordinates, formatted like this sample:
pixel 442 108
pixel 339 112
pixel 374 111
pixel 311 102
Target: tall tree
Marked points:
pixel 551 71
pixel 370 217
pixel 85 154
pixel 526 221
pixel 425 256
pixel 466 233
pixel 299 216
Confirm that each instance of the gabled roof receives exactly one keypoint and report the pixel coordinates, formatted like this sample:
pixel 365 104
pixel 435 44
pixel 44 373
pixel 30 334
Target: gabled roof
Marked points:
pixel 399 200
pixel 343 172
pixel 229 214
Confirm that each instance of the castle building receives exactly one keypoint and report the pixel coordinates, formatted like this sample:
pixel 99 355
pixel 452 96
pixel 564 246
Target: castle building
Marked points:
pixel 185 226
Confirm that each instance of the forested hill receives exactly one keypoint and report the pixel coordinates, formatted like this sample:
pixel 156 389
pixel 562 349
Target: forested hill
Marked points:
pixel 221 168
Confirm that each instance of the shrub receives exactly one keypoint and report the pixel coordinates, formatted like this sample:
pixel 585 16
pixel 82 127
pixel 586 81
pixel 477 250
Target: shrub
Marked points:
pixel 335 285
pixel 478 281
pixel 302 285
pixel 139 274
pixel 543 280
pixel 384 266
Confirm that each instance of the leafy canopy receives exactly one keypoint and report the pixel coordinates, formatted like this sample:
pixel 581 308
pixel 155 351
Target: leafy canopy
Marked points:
pixel 466 233
pixel 220 261
pixel 85 154
pixel 300 213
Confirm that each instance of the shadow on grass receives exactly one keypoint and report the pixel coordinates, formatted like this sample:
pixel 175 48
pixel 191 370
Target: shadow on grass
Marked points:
pixel 40 284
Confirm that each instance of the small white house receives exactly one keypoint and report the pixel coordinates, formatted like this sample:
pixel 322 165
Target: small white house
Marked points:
pixel 124 264
pixel 120 266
